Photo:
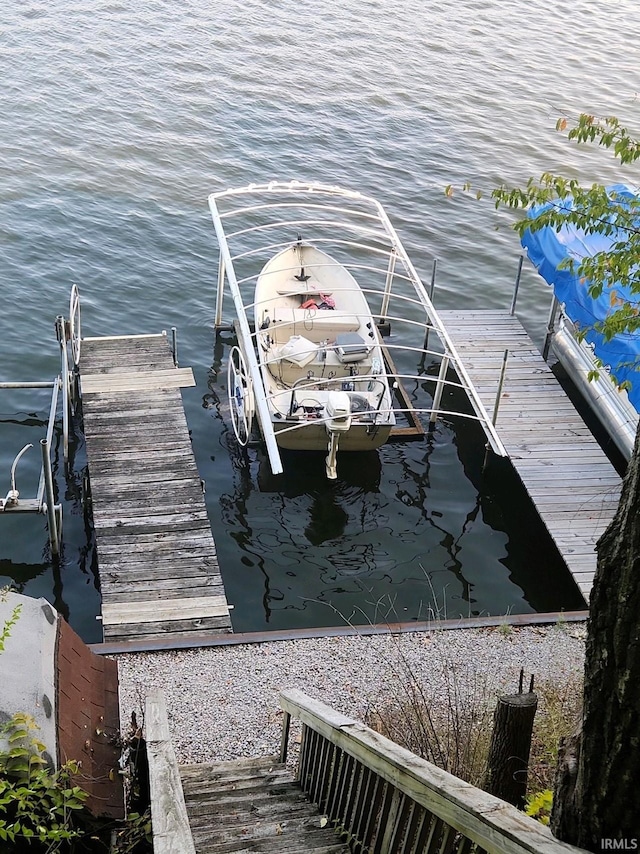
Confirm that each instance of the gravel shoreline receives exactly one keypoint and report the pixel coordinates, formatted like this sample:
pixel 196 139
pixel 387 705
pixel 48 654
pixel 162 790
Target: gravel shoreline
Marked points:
pixel 222 702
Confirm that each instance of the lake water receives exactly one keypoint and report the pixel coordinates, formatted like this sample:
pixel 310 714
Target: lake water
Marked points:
pixel 118 119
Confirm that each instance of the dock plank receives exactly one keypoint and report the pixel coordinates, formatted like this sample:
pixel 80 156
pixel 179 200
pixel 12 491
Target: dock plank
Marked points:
pixel 569 478
pixel 107 382
pixel 157 560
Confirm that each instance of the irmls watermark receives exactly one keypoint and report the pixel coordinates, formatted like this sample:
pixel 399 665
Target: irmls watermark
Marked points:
pixel 619 844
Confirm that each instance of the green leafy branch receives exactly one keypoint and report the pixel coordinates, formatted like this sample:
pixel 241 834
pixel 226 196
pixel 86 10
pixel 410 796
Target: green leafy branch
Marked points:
pixel 594 210
pixel 36 803
pixel 607 132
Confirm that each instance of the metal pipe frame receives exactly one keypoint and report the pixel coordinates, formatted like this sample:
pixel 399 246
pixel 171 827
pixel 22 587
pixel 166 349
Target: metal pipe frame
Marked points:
pixel 551 320
pixel 29 385
pixel 503 371
pixel 437 397
pixel 388 235
pixel 250 356
pixel 64 368
pixel 516 287
pixel 52 521
pixel 50 426
pixel 174 345
pixel 387 285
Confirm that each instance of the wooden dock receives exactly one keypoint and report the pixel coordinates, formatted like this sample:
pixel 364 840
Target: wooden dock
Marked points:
pixel 569 478
pixel 159 574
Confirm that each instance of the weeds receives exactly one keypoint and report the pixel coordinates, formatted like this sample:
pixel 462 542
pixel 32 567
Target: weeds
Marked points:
pixel 449 720
pixel 559 714
pixel 452 727
pixel 505 629
pixel 448 723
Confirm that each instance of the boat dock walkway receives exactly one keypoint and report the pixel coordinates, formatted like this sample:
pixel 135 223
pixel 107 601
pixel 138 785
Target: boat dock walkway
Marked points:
pixel 157 562
pixel 569 478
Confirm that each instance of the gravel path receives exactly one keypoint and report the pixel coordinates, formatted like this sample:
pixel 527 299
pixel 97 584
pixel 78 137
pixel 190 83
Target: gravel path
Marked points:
pixel 223 701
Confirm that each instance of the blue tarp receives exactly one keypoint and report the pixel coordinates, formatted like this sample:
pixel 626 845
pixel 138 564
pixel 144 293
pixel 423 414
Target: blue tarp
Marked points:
pixel 547 249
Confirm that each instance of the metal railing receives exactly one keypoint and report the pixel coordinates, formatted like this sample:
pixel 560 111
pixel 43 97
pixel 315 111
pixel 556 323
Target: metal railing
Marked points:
pixel 69 338
pixel 251 223
pixel 381 798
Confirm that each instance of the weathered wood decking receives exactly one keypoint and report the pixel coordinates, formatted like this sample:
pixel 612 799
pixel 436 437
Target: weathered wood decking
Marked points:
pixel 158 569
pixel 569 478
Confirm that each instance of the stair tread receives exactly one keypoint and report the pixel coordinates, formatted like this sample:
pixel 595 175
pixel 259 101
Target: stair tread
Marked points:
pixel 253 806
pixel 255 793
pixel 258 813
pixel 338 848
pixel 268 827
pixel 281 844
pixel 281 775
pixel 229 765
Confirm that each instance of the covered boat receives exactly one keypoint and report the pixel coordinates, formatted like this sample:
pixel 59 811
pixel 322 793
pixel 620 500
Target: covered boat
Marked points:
pixel 605 371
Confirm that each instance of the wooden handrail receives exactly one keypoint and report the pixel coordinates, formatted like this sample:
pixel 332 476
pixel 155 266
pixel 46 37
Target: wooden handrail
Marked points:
pixel 169 821
pixel 340 757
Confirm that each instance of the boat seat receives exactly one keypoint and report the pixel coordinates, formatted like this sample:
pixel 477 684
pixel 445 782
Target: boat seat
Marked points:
pixel 316 326
pixel 288 372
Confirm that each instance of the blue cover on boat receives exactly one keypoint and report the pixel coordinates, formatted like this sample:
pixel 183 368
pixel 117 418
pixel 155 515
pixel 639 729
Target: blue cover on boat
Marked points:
pixel 548 248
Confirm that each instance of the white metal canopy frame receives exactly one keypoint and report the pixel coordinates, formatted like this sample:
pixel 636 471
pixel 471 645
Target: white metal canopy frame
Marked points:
pixel 255 222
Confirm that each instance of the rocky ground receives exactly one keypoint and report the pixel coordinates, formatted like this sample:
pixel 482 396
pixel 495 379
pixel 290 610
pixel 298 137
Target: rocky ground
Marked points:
pixel 223 701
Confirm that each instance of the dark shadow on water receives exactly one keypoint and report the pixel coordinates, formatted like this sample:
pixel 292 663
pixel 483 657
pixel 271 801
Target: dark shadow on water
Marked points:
pixel 534 562
pixel 362 469
pixel 328 519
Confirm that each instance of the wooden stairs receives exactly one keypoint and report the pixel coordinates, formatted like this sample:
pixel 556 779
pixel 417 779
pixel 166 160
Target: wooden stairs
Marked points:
pixel 373 793
pixel 253 806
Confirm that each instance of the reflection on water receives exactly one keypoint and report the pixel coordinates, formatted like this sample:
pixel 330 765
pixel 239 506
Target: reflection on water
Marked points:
pixel 69 583
pixel 407 532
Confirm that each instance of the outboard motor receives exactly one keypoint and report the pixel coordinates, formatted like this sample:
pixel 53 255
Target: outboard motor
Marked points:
pixel 338 410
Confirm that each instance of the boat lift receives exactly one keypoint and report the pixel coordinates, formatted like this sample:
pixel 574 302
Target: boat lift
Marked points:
pixel 68 333
pixel 254 222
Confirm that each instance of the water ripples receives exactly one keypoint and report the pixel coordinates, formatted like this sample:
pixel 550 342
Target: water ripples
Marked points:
pixel 120 119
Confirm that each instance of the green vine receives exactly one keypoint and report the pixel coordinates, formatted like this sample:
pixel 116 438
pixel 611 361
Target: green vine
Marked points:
pixel 41 810
pixel 135 835
pixel 10 622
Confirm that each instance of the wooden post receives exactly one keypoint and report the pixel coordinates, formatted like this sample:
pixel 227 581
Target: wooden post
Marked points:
pixel 506 775
pixel 284 741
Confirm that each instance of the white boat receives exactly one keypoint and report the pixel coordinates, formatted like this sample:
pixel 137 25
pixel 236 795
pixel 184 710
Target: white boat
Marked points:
pixel 305 263
pixel 320 356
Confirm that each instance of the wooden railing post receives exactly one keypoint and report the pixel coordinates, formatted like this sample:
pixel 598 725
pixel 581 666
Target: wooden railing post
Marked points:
pixel 169 821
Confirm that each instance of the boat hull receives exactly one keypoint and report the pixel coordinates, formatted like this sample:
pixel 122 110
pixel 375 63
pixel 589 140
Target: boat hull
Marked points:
pixel 317 342
pixel 314 437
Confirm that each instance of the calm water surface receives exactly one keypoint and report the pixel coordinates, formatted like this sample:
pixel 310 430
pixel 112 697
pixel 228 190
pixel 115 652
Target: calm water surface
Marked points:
pixel 120 118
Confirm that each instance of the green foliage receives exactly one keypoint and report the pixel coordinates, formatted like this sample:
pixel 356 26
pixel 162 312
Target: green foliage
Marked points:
pixel 37 805
pixel 593 210
pixel 136 835
pixel 10 622
pixel 608 132
pixel 539 806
